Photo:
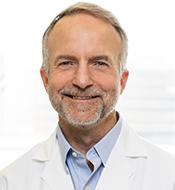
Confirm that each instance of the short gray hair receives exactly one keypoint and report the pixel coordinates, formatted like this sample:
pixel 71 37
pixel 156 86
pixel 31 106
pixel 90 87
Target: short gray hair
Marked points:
pixel 96 11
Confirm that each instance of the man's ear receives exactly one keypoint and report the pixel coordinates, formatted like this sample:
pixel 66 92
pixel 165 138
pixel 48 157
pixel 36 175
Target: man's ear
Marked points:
pixel 44 77
pixel 123 80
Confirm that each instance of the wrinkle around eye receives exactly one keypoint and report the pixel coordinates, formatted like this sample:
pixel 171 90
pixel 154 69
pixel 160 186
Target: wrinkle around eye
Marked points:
pixel 102 65
pixel 65 65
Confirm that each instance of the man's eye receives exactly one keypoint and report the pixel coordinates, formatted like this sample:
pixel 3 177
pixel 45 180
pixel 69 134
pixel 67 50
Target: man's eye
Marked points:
pixel 64 63
pixel 101 64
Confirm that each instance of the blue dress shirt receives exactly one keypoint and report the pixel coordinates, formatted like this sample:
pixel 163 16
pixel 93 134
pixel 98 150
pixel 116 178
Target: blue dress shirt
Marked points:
pixel 75 163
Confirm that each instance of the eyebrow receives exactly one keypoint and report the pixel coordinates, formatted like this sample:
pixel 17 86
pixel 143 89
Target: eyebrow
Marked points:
pixel 100 57
pixel 66 57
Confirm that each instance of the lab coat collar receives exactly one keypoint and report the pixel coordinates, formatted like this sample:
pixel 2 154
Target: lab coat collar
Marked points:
pixel 126 162
pixel 44 151
pixel 53 174
pixel 128 139
pixel 132 144
pixel 127 150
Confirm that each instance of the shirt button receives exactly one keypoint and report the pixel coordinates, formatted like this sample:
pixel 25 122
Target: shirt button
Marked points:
pixel 74 154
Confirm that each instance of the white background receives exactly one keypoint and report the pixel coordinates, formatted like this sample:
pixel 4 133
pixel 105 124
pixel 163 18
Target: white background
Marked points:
pixel 148 103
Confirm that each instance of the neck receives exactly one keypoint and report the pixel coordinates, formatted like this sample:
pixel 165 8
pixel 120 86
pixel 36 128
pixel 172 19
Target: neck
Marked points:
pixel 83 139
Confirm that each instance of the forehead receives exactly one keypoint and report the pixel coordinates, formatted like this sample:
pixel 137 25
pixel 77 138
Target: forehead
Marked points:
pixel 82 21
pixel 85 36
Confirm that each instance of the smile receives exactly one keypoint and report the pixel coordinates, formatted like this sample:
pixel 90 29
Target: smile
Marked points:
pixel 81 97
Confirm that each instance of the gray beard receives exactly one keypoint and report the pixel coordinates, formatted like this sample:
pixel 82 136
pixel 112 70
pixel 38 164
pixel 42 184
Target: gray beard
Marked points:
pixel 101 113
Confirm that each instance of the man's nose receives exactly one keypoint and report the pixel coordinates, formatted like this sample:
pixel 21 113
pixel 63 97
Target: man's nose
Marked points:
pixel 82 78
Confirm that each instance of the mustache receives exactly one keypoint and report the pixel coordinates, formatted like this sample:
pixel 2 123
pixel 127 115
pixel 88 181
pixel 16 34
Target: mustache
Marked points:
pixel 90 92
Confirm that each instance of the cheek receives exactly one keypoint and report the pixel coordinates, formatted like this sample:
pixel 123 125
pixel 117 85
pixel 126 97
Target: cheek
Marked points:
pixel 108 83
pixel 111 86
pixel 58 81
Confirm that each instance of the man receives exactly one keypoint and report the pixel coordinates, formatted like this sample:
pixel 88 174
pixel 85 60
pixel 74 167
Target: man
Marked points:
pixel 84 73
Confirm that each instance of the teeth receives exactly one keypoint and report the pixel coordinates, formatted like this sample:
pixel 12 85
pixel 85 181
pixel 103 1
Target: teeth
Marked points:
pixel 82 97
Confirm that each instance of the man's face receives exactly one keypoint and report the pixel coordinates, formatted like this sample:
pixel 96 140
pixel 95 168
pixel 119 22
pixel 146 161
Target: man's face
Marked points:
pixel 83 82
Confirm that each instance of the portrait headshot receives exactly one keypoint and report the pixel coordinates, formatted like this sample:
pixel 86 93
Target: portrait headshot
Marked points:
pixel 84 73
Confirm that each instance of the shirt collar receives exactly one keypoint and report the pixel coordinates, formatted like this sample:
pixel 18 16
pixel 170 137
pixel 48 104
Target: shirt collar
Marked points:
pixel 64 146
pixel 108 141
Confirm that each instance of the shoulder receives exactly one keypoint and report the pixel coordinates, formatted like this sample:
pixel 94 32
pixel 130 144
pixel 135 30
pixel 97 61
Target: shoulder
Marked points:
pixel 28 165
pixel 158 162
pixel 17 171
pixel 158 154
pixel 22 162
pixel 137 146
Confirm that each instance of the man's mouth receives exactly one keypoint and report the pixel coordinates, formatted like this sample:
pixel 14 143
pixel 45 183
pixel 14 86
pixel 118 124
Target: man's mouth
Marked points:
pixel 74 97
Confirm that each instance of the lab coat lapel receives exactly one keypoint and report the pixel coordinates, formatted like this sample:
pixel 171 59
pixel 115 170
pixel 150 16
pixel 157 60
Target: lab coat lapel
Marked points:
pixel 54 174
pixel 124 168
pixel 116 174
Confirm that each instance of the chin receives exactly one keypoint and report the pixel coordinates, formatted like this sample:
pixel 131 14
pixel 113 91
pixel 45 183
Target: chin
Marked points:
pixel 83 124
pixel 86 124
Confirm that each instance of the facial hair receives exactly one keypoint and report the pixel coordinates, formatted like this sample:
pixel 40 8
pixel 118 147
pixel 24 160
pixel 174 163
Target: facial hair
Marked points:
pixel 83 115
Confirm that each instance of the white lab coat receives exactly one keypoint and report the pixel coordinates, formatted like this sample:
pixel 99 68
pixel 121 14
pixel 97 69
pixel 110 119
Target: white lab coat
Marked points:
pixel 134 164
